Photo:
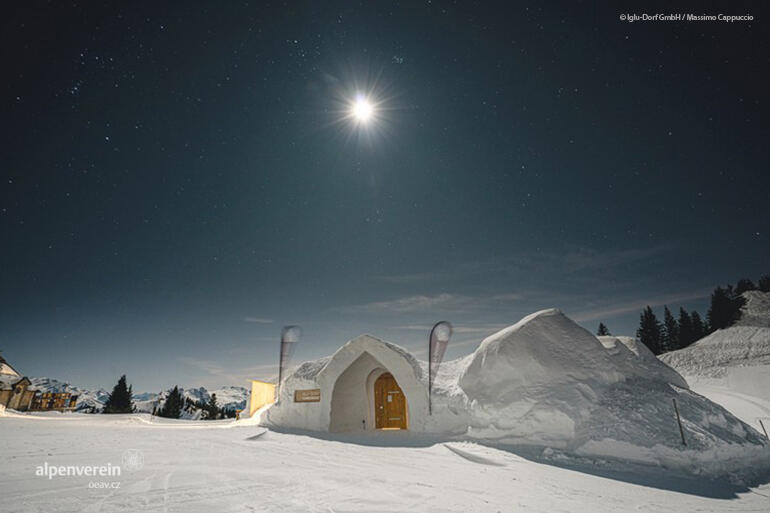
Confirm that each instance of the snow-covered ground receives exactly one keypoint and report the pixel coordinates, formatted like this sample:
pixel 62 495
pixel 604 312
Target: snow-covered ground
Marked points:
pixel 749 408
pixel 732 366
pixel 230 466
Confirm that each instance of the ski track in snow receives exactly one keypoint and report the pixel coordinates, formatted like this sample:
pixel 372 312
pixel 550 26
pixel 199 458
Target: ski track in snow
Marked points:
pixel 213 469
pixel 749 409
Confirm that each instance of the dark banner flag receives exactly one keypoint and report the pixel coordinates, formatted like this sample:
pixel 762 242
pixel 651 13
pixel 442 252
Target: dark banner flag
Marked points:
pixel 289 338
pixel 439 339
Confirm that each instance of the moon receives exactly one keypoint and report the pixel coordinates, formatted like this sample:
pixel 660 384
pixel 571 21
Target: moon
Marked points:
pixel 362 110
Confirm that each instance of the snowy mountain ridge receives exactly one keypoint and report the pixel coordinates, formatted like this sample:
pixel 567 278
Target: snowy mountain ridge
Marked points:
pixel 88 399
pixel 228 397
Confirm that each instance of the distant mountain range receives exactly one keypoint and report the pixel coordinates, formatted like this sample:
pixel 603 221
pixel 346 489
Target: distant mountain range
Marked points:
pixel 92 400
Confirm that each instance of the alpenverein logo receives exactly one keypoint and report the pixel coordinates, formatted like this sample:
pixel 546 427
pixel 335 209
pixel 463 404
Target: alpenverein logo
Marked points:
pixel 132 460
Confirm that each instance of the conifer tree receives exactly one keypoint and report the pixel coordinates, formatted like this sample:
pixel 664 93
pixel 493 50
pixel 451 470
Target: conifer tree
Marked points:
pixel 686 335
pixel 699 328
pixel 212 409
pixel 764 283
pixel 172 408
pixel 120 400
pixel 725 308
pixel 602 331
pixel 649 332
pixel 744 285
pixel 670 334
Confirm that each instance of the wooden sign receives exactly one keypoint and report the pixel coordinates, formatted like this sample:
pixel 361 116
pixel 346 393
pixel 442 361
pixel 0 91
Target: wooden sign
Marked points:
pixel 307 396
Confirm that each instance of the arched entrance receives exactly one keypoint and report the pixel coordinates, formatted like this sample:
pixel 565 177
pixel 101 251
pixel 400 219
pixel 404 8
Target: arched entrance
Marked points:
pixel 389 403
pixel 347 383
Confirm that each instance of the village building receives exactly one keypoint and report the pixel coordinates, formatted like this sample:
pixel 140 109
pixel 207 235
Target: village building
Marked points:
pixel 17 393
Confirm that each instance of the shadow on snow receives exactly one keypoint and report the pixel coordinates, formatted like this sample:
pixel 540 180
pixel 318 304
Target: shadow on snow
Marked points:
pixel 634 473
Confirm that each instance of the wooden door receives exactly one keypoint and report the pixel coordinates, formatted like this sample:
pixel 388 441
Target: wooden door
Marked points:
pixel 389 403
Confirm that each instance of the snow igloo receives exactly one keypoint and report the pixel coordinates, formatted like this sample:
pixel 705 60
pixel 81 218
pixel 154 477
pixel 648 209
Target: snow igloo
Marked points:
pixel 367 385
pixel 544 381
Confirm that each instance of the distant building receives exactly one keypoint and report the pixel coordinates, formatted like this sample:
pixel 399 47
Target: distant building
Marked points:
pixel 17 393
pixel 14 388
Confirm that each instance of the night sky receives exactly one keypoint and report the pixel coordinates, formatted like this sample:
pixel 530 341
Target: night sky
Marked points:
pixel 180 180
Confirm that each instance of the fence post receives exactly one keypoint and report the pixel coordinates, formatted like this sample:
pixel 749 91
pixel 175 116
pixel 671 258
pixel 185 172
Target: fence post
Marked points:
pixel 679 421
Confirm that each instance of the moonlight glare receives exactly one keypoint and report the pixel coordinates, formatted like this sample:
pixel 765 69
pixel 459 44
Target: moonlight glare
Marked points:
pixel 362 110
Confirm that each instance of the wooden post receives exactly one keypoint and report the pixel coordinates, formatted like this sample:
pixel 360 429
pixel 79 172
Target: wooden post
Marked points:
pixel 763 429
pixel 679 421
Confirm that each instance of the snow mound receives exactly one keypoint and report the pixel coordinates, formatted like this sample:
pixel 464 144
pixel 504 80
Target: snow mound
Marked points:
pixel 544 348
pixel 547 348
pixel 547 381
pixel 637 358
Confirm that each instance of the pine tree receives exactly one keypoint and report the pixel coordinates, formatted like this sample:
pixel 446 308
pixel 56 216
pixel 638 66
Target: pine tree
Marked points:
pixel 670 334
pixel 764 283
pixel 699 328
pixel 744 285
pixel 172 408
pixel 649 332
pixel 212 410
pixel 120 400
pixel 725 308
pixel 602 331
pixel 686 335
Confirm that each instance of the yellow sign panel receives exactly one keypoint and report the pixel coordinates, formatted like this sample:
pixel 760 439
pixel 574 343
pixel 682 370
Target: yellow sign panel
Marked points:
pixel 307 396
pixel 261 394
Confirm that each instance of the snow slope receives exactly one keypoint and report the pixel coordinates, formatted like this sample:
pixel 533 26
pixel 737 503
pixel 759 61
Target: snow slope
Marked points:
pixel 732 366
pixel 192 467
pixel 746 344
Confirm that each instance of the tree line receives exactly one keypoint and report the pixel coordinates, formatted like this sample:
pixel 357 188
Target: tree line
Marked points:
pixel 121 401
pixel 687 327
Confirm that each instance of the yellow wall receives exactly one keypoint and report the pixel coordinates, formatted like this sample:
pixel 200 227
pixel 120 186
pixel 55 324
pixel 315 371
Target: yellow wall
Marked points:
pixel 261 394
